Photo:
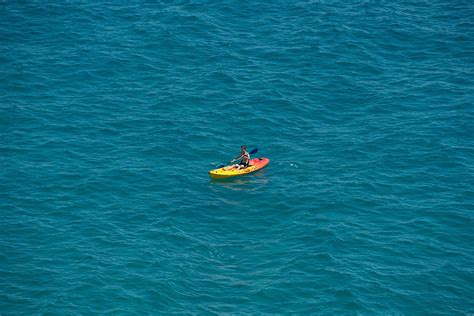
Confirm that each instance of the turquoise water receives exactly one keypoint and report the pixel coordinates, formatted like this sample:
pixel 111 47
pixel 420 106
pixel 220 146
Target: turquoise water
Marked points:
pixel 112 115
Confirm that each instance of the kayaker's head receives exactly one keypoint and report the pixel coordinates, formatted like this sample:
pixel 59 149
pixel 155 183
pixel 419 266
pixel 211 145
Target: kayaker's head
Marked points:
pixel 243 148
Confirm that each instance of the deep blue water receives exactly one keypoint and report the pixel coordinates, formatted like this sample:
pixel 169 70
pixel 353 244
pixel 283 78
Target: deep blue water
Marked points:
pixel 112 114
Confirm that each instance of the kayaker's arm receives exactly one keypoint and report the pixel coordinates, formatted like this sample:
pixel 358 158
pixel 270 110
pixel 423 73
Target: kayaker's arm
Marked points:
pixel 237 158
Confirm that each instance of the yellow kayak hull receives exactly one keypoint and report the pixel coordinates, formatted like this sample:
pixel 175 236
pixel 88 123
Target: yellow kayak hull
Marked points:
pixel 229 171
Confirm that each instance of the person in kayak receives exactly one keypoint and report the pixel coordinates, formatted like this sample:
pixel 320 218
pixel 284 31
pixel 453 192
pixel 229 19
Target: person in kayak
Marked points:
pixel 244 158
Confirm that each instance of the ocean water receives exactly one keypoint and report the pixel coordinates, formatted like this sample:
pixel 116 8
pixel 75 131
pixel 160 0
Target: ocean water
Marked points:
pixel 112 114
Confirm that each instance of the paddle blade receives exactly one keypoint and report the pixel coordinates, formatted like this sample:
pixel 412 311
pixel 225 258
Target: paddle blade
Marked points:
pixel 254 151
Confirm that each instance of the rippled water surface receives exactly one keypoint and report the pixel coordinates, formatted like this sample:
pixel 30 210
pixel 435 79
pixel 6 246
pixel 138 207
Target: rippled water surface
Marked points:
pixel 112 114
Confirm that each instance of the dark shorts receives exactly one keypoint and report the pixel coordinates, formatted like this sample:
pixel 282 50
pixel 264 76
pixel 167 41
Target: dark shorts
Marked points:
pixel 245 164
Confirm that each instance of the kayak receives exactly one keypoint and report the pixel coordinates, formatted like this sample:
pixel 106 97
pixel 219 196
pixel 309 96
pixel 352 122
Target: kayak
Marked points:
pixel 227 172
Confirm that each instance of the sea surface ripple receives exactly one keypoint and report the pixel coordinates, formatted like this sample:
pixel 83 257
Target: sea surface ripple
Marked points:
pixel 111 115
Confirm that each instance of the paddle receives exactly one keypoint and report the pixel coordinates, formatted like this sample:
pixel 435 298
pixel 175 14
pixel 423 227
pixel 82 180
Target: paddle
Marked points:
pixel 253 151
